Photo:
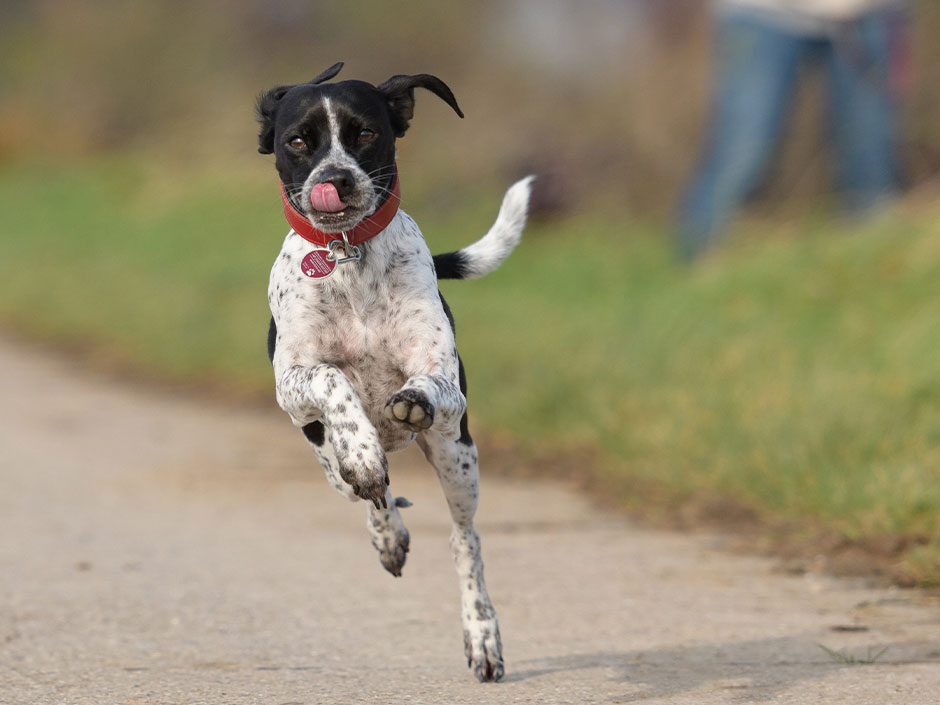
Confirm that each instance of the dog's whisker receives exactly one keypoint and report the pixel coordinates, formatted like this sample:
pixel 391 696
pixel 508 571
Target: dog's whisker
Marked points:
pixel 381 189
pixel 384 169
pixel 379 175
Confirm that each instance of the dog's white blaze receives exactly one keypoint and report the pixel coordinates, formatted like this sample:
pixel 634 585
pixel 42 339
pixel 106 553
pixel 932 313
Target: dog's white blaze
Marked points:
pixel 338 157
pixel 337 154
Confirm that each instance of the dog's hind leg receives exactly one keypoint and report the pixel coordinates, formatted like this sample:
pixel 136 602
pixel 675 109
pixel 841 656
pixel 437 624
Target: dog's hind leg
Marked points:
pixel 386 528
pixel 388 532
pixel 456 466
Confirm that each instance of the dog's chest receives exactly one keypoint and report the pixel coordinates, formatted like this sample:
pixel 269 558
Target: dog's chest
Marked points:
pixel 365 318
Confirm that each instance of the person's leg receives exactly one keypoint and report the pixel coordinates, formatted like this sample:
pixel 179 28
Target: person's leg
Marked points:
pixel 864 107
pixel 756 74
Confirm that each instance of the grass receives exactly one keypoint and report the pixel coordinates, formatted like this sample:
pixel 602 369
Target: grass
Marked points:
pixel 844 658
pixel 796 374
pixel 799 377
pixel 143 270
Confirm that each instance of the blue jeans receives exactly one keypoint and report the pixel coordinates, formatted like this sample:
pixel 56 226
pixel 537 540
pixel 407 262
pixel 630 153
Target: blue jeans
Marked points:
pixel 758 67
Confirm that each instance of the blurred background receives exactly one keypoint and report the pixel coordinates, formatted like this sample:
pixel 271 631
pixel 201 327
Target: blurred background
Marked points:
pixel 788 377
pixel 609 97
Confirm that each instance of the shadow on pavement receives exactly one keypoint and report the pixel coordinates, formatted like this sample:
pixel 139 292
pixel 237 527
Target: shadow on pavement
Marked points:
pixel 764 666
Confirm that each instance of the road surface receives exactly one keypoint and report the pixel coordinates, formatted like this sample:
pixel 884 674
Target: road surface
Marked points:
pixel 158 550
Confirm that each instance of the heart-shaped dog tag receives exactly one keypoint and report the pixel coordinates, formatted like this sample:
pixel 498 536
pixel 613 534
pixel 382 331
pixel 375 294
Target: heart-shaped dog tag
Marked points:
pixel 316 265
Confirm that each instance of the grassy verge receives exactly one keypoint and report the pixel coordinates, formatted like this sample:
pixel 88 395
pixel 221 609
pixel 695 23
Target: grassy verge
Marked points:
pixel 795 375
pixel 140 269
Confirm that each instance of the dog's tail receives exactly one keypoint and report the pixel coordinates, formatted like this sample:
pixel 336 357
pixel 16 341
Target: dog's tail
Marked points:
pixel 487 253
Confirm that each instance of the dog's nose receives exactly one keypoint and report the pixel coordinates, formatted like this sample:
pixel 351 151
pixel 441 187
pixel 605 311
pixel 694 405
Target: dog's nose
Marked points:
pixel 342 179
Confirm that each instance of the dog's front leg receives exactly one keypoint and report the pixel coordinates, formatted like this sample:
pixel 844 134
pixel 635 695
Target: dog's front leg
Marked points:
pixel 432 397
pixel 428 401
pixel 323 393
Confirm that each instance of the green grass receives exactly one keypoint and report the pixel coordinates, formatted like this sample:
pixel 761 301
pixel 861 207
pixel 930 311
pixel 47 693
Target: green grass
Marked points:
pixel 797 373
pixel 844 658
pixel 168 276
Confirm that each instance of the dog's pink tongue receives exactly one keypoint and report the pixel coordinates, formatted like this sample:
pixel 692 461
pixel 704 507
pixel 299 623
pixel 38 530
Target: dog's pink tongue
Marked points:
pixel 325 197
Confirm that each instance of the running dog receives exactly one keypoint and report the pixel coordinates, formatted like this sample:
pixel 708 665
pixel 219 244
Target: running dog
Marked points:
pixel 361 341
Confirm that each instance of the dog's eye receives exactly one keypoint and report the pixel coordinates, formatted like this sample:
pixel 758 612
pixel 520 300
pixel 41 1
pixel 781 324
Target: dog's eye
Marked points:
pixel 297 143
pixel 366 135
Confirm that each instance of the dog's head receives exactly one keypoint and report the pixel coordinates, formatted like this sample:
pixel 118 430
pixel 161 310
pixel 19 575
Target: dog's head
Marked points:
pixel 334 143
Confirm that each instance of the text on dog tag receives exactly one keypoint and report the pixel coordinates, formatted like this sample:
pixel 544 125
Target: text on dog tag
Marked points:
pixel 316 265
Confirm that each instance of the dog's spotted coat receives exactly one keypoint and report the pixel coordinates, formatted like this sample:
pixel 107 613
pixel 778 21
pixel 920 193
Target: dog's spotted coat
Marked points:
pixel 365 361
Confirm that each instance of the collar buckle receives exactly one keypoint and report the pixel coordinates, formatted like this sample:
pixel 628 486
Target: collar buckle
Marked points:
pixel 351 253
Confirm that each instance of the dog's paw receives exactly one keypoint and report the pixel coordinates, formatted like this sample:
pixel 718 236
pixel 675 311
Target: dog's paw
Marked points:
pixel 366 484
pixel 363 466
pixel 410 408
pixel 394 550
pixel 484 650
pixel 390 537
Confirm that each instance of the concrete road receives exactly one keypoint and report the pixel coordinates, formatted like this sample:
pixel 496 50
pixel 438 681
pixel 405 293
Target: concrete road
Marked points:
pixel 163 551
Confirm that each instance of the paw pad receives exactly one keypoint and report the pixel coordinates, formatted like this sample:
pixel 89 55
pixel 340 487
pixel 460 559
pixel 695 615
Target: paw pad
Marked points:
pixel 411 409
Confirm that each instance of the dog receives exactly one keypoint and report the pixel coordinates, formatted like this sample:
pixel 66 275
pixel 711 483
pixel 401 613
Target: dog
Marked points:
pixel 361 340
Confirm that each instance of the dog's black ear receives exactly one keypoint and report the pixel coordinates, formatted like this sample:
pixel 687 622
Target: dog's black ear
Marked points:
pixel 399 90
pixel 329 73
pixel 267 109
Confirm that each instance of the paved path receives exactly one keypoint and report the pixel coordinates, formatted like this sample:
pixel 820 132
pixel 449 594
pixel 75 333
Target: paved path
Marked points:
pixel 156 551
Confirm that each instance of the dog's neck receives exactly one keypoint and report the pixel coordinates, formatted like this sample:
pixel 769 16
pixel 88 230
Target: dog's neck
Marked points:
pixel 368 227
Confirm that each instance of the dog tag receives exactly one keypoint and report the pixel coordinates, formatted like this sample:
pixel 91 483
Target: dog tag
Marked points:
pixel 316 265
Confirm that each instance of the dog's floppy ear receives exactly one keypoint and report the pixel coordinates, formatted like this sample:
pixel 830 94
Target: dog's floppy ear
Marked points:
pixel 329 73
pixel 267 108
pixel 400 93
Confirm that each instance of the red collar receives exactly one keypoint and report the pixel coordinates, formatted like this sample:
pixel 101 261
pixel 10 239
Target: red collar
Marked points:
pixel 368 228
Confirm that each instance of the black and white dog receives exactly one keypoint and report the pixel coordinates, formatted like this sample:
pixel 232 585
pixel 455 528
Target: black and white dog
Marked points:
pixel 361 341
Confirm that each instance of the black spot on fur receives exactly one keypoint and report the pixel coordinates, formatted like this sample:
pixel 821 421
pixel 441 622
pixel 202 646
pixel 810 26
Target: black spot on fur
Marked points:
pixel 314 432
pixel 272 339
pixel 464 420
pixel 450 316
pixel 482 611
pixel 450 265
